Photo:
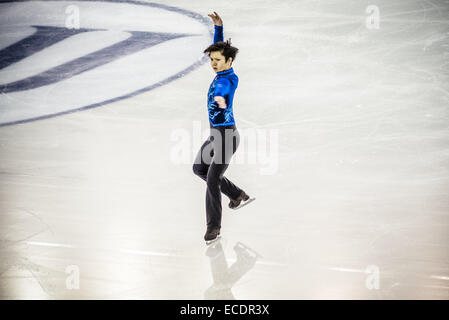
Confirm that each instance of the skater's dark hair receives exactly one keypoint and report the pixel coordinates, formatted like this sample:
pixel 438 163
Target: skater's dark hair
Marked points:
pixel 226 49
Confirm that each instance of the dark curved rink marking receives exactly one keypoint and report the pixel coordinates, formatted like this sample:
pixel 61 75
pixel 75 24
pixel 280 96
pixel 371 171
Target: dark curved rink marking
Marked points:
pixel 42 38
pixel 145 89
pixel 138 41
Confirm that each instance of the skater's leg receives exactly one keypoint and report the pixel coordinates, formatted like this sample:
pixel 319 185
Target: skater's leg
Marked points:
pixel 229 146
pixel 203 159
pixel 225 144
pixel 227 187
pixel 213 194
pixel 201 167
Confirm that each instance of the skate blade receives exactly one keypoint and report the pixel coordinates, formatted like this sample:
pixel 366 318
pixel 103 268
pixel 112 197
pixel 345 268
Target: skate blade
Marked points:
pixel 208 242
pixel 244 203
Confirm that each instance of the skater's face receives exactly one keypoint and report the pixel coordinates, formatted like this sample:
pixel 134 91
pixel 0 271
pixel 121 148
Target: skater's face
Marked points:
pixel 218 63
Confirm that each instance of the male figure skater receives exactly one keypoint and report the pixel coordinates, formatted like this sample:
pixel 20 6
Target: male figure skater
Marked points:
pixel 214 155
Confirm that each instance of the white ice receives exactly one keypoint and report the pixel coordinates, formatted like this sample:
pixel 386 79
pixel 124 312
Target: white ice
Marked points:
pixel 358 207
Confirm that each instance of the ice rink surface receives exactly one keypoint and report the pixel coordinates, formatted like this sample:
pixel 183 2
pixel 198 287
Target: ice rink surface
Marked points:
pixel 352 190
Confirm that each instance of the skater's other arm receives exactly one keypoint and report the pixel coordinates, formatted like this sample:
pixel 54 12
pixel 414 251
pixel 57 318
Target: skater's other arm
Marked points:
pixel 218 26
pixel 222 88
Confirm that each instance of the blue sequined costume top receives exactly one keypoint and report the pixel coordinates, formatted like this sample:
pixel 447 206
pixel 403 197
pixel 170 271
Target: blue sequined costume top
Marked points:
pixel 224 85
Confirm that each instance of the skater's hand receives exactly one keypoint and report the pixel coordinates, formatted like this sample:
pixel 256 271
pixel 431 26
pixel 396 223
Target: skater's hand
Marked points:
pixel 216 19
pixel 221 102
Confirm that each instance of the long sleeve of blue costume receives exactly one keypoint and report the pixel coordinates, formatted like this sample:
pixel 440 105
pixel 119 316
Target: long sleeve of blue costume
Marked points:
pixel 222 85
pixel 218 34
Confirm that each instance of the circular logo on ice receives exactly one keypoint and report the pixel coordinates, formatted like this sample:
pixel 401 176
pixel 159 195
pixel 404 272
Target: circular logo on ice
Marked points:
pixel 62 56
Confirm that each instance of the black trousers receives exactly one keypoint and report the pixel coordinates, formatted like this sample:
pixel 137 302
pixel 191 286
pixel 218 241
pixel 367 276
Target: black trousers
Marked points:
pixel 210 164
